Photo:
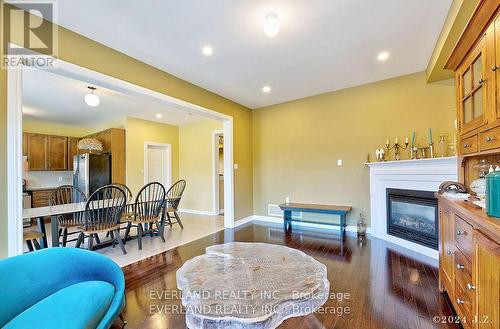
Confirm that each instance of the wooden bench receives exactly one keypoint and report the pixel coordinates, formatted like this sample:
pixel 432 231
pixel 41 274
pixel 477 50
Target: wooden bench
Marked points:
pixel 314 208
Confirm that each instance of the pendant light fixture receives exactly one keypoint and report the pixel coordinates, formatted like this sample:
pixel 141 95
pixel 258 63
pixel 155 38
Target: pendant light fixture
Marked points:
pixel 92 99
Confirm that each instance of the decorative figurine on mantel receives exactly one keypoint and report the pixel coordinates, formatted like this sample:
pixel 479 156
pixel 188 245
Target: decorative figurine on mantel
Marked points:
pixel 380 154
pixel 397 147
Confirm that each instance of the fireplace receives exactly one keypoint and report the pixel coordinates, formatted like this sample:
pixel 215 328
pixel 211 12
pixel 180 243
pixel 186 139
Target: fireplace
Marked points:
pixel 413 215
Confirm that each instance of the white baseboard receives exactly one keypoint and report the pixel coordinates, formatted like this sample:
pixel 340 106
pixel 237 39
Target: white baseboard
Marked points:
pixel 198 212
pixel 243 221
pixel 278 220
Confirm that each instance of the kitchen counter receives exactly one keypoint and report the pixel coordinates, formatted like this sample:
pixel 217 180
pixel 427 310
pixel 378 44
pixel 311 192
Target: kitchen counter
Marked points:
pixel 41 188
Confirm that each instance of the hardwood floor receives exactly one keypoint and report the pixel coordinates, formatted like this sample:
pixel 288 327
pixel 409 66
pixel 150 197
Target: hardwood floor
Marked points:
pixel 381 285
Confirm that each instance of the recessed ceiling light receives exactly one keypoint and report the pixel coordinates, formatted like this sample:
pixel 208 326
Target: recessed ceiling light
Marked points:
pixel 383 56
pixel 207 51
pixel 271 24
pixel 266 89
pixel 159 116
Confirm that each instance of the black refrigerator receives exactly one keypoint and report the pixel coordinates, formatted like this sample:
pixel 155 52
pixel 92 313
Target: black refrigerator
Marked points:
pixel 91 171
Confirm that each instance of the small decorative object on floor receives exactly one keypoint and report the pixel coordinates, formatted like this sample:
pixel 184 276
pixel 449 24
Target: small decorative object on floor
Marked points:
pixel 250 285
pixel 90 144
pixel 361 225
pixel 397 148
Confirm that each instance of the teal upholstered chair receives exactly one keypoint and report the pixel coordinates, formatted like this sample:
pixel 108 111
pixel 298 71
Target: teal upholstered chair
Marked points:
pixel 60 288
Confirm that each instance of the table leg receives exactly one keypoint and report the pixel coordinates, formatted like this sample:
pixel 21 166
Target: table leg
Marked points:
pixel 287 219
pixel 342 224
pixel 54 225
pixel 41 227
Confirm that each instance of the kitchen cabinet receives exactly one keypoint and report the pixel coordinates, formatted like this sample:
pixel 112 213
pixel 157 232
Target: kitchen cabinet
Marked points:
pixel 25 144
pixel 37 152
pixel 471 90
pixel 46 152
pixel 469 263
pixel 41 197
pixel 72 150
pixel 446 247
pixel 57 153
pixel 486 282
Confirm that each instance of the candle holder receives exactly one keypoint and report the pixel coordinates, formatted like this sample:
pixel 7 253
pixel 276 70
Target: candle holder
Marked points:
pixel 413 152
pixel 431 150
pixel 397 148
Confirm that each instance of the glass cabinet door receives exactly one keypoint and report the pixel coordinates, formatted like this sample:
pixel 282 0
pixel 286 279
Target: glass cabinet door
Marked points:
pixel 472 90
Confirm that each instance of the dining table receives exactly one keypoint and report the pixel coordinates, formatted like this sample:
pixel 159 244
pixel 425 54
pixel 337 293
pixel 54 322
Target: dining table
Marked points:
pixel 40 213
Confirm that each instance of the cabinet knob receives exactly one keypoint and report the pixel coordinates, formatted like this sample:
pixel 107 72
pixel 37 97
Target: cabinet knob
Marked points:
pixel 471 286
pixel 489 139
pixel 449 252
pixel 460 267
pixel 480 81
pixel 459 232
pixel 459 301
pixel 466 146
pixel 494 68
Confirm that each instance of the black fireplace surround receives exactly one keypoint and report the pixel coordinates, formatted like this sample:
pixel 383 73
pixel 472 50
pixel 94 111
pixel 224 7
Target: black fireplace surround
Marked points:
pixel 413 215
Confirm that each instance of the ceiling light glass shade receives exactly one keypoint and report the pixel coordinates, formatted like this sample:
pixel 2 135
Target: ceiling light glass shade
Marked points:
pixel 271 25
pixel 207 51
pixel 383 56
pixel 90 144
pixel 92 100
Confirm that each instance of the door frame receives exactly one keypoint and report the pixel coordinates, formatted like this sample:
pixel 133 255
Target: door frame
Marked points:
pixel 64 68
pixel 168 148
pixel 215 171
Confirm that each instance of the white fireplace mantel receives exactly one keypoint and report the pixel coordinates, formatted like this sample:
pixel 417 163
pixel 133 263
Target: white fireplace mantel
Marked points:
pixel 422 175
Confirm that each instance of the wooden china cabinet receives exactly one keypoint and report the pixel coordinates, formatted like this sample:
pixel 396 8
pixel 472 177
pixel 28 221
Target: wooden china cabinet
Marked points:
pixel 469 248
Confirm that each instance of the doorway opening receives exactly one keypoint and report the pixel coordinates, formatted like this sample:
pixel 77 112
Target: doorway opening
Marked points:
pixel 158 163
pixel 218 171
pixel 15 77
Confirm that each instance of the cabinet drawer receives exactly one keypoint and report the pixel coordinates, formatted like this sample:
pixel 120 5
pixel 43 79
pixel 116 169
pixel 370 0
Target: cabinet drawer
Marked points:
pixel 463 272
pixel 463 237
pixel 464 303
pixel 469 145
pixel 489 139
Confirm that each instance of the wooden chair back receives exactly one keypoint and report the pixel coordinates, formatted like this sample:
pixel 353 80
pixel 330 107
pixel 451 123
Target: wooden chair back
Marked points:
pixel 66 194
pixel 174 194
pixel 104 209
pixel 125 189
pixel 149 202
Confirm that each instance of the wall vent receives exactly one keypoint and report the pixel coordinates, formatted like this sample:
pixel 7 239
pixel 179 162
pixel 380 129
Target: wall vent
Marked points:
pixel 275 211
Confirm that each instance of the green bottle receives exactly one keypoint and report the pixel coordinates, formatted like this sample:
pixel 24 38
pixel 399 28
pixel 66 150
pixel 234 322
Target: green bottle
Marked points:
pixel 493 194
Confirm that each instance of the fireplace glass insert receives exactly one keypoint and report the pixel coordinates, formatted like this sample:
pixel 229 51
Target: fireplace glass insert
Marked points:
pixel 413 216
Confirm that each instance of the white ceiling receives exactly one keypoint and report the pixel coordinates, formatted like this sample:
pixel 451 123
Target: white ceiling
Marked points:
pixel 322 46
pixel 55 98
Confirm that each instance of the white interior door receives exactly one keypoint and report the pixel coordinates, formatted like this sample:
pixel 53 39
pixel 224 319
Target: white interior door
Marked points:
pixel 158 165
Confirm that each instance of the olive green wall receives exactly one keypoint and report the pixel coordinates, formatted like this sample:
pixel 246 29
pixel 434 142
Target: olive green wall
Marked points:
pixel 297 144
pixel 140 131
pixel 75 48
pixel 195 164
